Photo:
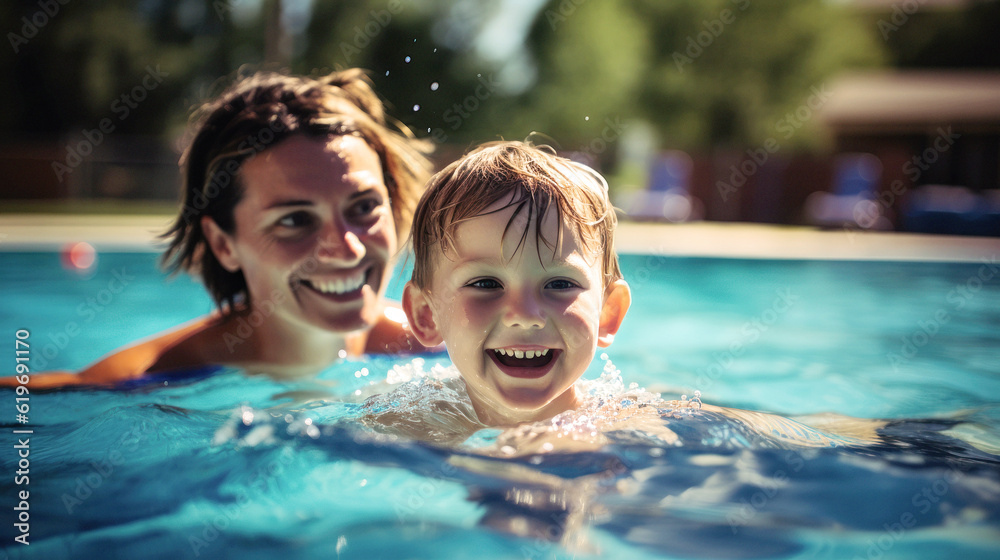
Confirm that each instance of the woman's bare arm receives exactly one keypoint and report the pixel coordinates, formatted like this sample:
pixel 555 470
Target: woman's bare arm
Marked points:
pixel 127 363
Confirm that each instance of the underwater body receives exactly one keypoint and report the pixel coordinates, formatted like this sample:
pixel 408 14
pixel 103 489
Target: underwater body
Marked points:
pixel 849 456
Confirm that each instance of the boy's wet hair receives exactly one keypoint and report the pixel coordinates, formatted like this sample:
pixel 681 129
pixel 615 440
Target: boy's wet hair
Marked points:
pixel 256 113
pixel 531 179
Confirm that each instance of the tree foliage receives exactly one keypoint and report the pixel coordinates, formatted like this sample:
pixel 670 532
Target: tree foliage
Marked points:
pixel 701 73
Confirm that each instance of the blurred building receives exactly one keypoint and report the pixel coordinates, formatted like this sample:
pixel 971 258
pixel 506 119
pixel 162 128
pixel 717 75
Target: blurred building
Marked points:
pixel 937 135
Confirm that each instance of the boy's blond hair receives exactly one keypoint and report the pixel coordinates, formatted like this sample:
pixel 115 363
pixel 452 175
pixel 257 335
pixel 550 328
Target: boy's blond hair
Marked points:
pixel 533 180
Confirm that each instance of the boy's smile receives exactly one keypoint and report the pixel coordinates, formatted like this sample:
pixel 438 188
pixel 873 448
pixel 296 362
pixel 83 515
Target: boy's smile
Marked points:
pixel 528 363
pixel 521 317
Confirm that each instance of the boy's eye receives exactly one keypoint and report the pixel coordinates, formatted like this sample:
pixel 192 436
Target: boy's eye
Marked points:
pixel 296 220
pixel 485 284
pixel 561 284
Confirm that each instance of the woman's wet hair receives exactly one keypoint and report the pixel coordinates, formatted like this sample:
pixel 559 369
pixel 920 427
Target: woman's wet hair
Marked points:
pixel 533 181
pixel 256 113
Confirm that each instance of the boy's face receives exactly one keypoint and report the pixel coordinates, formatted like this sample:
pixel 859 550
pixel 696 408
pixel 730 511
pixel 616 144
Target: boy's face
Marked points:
pixel 522 326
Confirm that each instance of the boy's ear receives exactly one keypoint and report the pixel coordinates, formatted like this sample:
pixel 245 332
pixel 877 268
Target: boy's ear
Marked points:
pixel 220 243
pixel 617 299
pixel 420 316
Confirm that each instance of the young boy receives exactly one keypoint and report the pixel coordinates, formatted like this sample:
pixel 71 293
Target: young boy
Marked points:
pixel 515 272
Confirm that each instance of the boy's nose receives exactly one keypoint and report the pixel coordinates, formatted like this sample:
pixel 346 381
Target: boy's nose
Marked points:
pixel 339 246
pixel 524 311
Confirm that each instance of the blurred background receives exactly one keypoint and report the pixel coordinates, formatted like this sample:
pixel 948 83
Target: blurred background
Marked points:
pixel 857 114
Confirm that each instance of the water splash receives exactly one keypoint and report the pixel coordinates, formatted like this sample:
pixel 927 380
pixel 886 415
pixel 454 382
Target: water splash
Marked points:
pixel 685 407
pixel 434 86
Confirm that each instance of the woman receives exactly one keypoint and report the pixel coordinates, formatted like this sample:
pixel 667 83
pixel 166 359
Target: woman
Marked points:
pixel 296 198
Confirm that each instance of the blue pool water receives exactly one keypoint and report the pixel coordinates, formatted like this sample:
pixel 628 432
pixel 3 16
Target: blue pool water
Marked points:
pixel 247 467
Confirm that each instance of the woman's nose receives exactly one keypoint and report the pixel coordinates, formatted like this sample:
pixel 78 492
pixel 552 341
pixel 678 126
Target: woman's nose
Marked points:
pixel 339 245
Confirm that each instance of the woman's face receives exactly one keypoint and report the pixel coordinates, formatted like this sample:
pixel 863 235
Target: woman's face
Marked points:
pixel 314 234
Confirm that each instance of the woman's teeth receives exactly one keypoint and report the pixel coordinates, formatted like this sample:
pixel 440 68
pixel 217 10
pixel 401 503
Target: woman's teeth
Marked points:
pixel 521 353
pixel 340 286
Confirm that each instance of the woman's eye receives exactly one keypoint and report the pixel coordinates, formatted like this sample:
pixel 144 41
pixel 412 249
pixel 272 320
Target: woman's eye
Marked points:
pixel 485 284
pixel 561 284
pixel 365 207
pixel 296 220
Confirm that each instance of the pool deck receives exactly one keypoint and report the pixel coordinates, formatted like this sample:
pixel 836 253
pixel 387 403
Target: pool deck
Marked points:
pixel 702 239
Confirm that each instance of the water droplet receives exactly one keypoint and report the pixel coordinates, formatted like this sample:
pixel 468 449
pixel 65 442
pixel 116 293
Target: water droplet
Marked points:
pixel 416 107
pixel 386 72
pixel 604 356
pixel 434 86
pixel 407 59
pixel 586 118
pixel 428 129
pixel 414 40
pixel 435 50
pixel 343 353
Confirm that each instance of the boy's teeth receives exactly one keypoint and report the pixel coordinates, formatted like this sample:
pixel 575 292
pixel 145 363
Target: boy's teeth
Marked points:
pixel 522 353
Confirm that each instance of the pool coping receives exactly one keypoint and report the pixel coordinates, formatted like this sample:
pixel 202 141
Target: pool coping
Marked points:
pixel 31 232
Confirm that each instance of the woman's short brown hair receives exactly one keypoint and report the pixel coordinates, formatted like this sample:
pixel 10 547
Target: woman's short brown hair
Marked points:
pixel 533 181
pixel 258 112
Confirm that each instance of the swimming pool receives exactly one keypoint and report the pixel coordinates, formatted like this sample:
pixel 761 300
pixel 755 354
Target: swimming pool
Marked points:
pixel 235 466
